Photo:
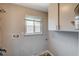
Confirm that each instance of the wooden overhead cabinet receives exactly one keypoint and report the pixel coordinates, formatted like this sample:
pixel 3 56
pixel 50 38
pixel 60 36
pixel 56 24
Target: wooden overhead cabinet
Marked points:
pixel 53 16
pixel 67 16
pixel 61 16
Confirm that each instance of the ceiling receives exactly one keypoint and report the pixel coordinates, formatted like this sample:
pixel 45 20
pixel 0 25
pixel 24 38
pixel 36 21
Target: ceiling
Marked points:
pixel 37 6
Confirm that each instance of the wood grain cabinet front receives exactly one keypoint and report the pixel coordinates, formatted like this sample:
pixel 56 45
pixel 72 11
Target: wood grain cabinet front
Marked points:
pixel 53 16
pixel 61 16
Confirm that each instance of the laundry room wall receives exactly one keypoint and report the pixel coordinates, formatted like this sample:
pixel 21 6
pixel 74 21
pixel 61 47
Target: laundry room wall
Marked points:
pixel 13 22
pixel 63 43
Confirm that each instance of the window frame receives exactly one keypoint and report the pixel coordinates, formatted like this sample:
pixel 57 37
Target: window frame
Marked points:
pixel 35 33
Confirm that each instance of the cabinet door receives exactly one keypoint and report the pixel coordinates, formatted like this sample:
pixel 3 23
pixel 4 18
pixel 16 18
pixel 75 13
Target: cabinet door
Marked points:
pixel 53 16
pixel 67 15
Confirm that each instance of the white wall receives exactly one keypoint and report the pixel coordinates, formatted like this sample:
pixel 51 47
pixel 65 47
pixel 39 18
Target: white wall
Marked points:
pixel 63 43
pixel 31 45
pixel 78 43
pixel 13 22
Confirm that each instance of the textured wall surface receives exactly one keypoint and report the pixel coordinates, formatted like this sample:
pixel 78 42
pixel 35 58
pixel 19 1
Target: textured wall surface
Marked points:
pixel 63 43
pixel 13 22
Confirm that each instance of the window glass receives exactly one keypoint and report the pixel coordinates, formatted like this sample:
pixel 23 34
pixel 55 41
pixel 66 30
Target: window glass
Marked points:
pixel 33 25
pixel 37 27
pixel 29 28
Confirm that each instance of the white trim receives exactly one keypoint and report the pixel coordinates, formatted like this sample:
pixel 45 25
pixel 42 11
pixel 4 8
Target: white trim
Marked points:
pixel 33 33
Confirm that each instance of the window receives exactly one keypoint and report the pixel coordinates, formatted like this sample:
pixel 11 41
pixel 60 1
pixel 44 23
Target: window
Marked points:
pixel 33 25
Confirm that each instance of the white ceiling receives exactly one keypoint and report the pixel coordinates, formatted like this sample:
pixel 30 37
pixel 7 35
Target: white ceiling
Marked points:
pixel 37 6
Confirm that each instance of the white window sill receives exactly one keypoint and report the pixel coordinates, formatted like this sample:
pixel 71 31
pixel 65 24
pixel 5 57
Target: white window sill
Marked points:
pixel 33 34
